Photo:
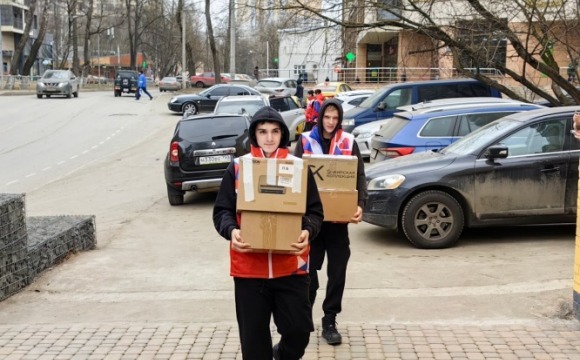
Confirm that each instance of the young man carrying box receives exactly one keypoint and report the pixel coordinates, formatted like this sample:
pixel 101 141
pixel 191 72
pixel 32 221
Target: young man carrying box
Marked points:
pixel 327 137
pixel 269 283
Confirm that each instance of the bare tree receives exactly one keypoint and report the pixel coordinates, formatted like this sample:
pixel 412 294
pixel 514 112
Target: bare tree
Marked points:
pixel 522 40
pixel 39 39
pixel 214 52
pixel 14 69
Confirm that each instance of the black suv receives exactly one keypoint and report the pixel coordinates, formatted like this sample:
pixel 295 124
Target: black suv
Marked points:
pixel 201 149
pixel 125 82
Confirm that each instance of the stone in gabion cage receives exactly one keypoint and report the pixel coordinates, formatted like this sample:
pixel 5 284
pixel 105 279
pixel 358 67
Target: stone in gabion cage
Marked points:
pixel 12 219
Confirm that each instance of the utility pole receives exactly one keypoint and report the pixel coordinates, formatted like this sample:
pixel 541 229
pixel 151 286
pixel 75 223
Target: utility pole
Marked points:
pixel 233 37
pixel 1 53
pixel 183 82
pixel 267 59
pixel 99 58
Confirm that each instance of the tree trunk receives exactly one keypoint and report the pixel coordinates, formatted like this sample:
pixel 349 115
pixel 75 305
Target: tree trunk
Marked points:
pixel 14 69
pixel 38 41
pixel 214 52
pixel 87 50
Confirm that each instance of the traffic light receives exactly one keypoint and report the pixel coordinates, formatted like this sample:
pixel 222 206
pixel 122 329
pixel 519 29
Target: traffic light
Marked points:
pixel 275 60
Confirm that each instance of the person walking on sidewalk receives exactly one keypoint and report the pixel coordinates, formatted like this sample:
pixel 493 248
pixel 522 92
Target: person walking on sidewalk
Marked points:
pixel 142 86
pixel 267 283
pixel 327 137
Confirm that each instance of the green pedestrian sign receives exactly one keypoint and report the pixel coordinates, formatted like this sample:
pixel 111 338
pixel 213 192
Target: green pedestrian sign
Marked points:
pixel 144 65
pixel 350 56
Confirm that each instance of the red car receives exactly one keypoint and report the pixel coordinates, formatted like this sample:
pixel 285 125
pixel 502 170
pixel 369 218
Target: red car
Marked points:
pixel 207 79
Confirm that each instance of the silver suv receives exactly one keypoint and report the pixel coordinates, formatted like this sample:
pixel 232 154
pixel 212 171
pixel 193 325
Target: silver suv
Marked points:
pixel 57 82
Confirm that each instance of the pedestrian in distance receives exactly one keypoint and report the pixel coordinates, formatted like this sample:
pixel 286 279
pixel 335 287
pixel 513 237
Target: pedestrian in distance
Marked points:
pixel 300 91
pixel 257 73
pixel 313 106
pixel 142 86
pixel 319 96
pixel 269 284
pixel 327 137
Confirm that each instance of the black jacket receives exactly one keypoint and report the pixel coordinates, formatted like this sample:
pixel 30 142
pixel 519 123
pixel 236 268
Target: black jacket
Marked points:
pixel 224 211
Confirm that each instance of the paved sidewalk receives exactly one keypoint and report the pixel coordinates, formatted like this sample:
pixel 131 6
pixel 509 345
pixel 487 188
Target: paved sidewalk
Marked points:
pixel 540 340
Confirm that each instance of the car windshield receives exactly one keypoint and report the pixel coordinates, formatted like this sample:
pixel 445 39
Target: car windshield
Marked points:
pixel 269 83
pixel 56 75
pixel 328 88
pixel 473 141
pixel 237 107
pixel 374 97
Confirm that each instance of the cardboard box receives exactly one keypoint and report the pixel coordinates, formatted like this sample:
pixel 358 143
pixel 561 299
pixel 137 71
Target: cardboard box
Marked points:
pixel 274 185
pixel 339 205
pixel 335 172
pixel 270 230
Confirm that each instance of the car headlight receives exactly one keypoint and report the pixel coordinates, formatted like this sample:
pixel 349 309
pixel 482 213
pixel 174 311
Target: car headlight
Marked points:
pixel 364 135
pixel 62 84
pixel 173 100
pixel 348 122
pixel 41 84
pixel 387 182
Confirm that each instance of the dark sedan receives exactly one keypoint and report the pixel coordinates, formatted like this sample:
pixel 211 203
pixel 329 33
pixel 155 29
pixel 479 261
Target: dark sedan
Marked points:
pixel 520 169
pixel 205 101
pixel 200 151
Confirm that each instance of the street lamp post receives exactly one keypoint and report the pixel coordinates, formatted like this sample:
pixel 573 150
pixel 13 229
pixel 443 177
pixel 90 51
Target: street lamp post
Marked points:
pixel 1 52
pixel 183 49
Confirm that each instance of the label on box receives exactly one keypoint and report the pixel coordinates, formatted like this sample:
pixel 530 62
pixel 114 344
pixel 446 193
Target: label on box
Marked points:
pixel 333 171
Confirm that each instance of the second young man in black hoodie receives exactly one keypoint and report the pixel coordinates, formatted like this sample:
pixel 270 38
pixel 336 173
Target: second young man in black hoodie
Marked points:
pixel 327 137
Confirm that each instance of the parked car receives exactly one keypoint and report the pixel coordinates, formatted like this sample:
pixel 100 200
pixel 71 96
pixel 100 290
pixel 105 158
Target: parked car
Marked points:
pixel 386 101
pixel 205 101
pixel 520 169
pixel 200 150
pixel 350 102
pixel 434 128
pixel 206 79
pixel 364 133
pixel 169 83
pixel 125 82
pixel 277 86
pixel 287 106
pixel 332 89
pixel 292 113
pixel 57 82
pixel 248 104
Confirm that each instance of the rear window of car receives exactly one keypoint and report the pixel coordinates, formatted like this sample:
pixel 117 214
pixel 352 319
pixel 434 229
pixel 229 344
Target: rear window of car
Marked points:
pixel 283 103
pixel 269 83
pixel 237 107
pixel 208 129
pixel 127 74
pixel 392 127
pixel 444 91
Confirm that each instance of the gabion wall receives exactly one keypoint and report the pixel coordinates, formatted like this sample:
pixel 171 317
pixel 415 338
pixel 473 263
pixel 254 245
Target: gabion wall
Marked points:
pixel 31 245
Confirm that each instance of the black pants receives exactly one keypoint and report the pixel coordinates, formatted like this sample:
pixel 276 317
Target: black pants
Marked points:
pixel 287 299
pixel 333 241
pixel 138 93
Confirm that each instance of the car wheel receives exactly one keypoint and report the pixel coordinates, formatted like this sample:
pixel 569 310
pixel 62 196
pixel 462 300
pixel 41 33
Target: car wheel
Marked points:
pixel 69 94
pixel 48 96
pixel 174 196
pixel 39 96
pixel 189 107
pixel 76 93
pixel 432 220
pixel 199 84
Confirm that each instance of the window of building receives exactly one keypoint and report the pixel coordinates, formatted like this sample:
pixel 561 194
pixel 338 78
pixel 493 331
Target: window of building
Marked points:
pixel 299 69
pixel 487 45
pixel 388 9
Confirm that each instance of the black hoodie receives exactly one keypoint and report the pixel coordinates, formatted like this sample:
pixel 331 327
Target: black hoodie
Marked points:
pixel 361 184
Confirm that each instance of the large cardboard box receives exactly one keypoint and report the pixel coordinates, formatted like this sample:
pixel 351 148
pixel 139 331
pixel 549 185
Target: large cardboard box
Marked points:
pixel 338 205
pixel 335 177
pixel 266 231
pixel 336 172
pixel 274 185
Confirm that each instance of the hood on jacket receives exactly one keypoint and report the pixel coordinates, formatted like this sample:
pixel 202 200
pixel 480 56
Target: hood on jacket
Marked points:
pixel 269 114
pixel 336 104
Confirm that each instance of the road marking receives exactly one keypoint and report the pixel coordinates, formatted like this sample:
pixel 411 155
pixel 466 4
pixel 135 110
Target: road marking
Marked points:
pixel 73 157
pixel 11 182
pixel 30 175
pixel 47 168
pixel 94 147
pixel 60 162
pixel 84 152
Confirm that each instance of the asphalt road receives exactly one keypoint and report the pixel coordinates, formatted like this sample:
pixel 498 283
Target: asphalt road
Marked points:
pixel 156 263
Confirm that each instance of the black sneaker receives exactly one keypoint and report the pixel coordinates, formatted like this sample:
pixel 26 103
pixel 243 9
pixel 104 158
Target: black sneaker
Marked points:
pixel 329 331
pixel 276 352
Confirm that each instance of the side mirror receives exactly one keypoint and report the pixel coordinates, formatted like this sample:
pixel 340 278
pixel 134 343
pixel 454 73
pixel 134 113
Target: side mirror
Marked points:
pixel 496 152
pixel 381 106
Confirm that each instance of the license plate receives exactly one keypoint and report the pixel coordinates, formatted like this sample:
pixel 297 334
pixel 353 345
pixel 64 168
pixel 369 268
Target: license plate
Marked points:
pixel 125 90
pixel 216 159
